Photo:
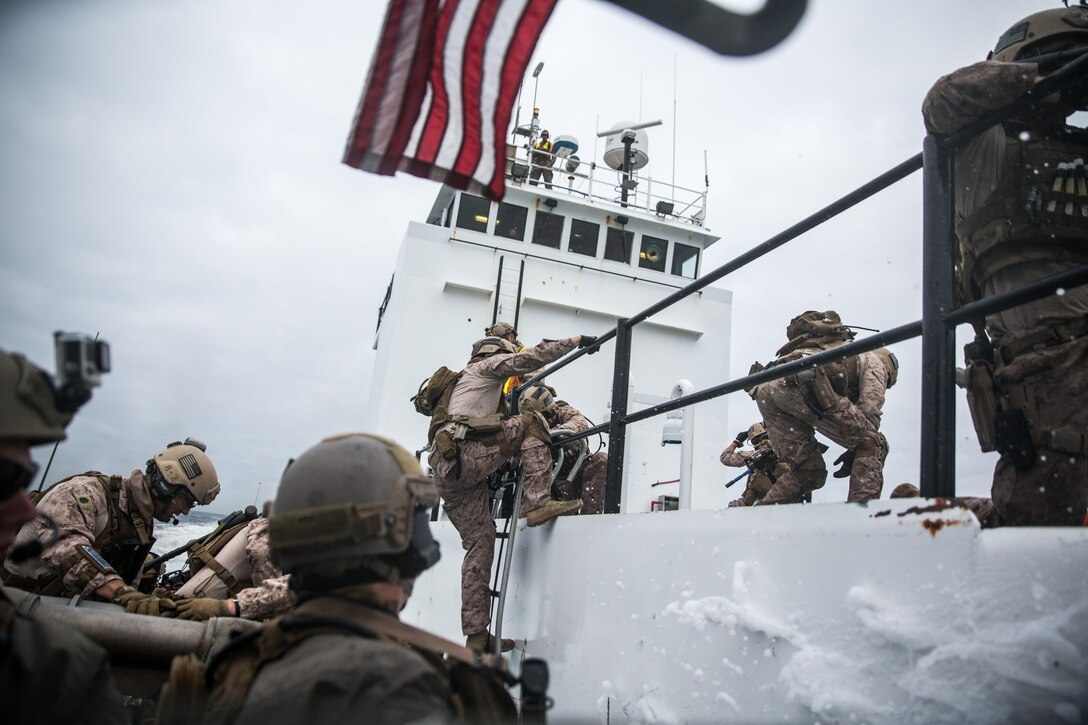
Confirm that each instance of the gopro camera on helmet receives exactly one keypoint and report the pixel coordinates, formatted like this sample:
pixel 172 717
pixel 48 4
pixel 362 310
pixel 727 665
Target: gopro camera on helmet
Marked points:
pixel 81 361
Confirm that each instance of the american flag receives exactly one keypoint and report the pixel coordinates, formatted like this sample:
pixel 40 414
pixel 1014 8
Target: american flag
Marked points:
pixel 441 88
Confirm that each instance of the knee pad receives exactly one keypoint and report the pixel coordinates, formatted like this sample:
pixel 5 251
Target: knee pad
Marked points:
pixel 874 445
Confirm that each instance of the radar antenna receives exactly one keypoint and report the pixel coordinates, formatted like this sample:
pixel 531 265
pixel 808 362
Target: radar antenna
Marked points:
pixel 627 137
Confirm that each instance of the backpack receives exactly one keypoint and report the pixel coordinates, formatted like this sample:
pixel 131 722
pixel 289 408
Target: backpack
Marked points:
pixel 435 391
pixel 433 398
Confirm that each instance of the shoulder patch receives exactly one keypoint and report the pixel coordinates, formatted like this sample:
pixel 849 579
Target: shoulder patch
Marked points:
pixel 85 502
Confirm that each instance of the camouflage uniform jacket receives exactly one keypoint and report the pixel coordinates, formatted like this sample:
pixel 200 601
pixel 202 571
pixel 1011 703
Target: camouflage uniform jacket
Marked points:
pixel 955 101
pixel 735 458
pixel 51 674
pixel 80 508
pixel 270 595
pixel 872 386
pixel 479 391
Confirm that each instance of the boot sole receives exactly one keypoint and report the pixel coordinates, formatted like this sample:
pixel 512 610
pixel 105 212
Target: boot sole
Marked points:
pixel 552 513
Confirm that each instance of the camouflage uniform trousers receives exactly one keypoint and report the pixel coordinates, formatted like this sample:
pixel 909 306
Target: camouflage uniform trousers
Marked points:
pixel 465 501
pixel 588 485
pixel 791 425
pixel 1054 491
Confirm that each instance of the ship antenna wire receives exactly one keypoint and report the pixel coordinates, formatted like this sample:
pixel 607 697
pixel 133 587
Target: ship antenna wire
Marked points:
pixel 674 128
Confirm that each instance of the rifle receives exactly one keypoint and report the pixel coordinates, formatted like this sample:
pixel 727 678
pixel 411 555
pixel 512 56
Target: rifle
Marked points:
pixel 234 519
pixel 762 459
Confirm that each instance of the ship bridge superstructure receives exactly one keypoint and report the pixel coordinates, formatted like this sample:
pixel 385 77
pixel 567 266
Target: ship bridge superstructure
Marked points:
pixel 559 259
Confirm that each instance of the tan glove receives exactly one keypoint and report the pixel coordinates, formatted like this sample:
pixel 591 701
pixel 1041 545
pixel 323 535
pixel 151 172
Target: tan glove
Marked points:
pixel 136 602
pixel 200 610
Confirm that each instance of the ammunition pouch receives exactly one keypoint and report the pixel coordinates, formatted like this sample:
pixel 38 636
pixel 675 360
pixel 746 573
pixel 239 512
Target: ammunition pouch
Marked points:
pixel 817 390
pixel 445 445
pixel 982 402
pixel 1004 414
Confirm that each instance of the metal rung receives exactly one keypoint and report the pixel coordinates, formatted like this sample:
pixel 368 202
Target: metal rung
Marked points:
pixel 502 534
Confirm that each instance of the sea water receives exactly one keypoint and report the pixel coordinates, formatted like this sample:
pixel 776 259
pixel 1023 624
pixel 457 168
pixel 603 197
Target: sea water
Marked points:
pixel 169 537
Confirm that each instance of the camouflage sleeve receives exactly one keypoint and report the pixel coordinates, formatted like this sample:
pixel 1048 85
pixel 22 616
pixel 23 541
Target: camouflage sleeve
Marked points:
pixel 260 558
pixel 271 598
pixel 570 418
pixel 80 510
pixel 735 458
pixel 872 387
pixel 527 361
pixel 965 95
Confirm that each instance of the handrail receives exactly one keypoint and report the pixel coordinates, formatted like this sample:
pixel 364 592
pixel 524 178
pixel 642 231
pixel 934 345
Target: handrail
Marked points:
pixel 940 315
pixel 1029 293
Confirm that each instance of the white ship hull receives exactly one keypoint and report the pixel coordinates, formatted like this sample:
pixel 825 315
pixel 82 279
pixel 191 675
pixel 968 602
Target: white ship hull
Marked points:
pixel 822 613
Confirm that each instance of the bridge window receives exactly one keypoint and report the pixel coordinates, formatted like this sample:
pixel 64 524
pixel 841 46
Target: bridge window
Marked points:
pixel 583 237
pixel 685 260
pixel 510 221
pixel 653 252
pixel 473 213
pixel 617 245
pixel 548 229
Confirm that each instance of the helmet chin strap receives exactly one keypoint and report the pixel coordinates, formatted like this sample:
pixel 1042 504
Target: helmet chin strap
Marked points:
pixel 33 549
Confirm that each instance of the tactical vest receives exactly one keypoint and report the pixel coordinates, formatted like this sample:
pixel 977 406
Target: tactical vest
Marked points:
pixel 218 567
pixel 124 543
pixel 215 693
pixel 1036 212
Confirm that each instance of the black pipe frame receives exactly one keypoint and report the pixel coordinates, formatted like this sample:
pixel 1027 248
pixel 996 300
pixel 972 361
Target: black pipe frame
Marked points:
pixel 939 314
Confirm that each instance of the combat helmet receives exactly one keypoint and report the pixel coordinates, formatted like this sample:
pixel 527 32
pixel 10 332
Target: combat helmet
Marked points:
pixel 757 433
pixel 814 328
pixel 500 329
pixel 355 508
pixel 536 399
pixel 488 346
pixel 183 467
pixel 1044 25
pixel 28 400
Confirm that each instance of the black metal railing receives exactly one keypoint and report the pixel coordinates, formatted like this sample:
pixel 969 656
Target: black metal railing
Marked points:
pixel 937 328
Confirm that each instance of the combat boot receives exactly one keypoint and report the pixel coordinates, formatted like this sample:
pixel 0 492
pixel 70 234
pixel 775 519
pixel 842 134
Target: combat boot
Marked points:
pixel 550 509
pixel 485 642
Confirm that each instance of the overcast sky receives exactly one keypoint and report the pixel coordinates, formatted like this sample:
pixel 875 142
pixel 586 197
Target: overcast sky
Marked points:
pixel 171 180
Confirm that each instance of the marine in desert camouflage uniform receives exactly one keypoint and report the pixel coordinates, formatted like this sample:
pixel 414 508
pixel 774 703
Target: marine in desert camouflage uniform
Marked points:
pixel 266 593
pixel 758 483
pixel 106 526
pixel 1021 215
pixel 842 401
pixel 462 467
pixel 343 655
pixel 589 482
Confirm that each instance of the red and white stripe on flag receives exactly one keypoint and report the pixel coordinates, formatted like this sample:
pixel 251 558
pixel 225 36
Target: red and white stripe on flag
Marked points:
pixel 441 89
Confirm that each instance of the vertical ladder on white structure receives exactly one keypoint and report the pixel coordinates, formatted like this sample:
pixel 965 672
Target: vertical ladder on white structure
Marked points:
pixel 508 289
